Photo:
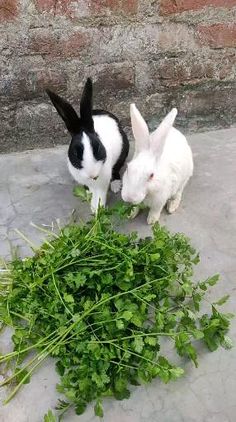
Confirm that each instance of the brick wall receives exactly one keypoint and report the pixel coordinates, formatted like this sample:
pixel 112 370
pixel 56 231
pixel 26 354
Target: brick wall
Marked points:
pixel 156 53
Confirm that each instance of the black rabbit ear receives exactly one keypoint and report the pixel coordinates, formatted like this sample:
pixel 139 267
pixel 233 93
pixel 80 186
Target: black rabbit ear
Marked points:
pixel 86 105
pixel 66 111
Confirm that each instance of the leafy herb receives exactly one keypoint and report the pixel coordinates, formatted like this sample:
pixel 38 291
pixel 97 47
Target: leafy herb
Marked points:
pixel 99 302
pixel 49 417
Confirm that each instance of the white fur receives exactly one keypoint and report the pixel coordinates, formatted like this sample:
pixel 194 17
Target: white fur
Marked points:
pixel 165 154
pixel 109 134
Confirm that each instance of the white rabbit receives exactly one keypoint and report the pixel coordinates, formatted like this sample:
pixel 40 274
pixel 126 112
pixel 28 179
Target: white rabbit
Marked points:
pixel 161 166
pixel 98 147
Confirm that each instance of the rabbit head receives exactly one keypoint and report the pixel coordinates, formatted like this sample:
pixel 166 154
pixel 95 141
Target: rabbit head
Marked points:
pixel 86 152
pixel 141 174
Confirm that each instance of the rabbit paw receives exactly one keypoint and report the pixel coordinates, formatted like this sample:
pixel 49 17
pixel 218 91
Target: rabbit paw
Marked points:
pixel 116 186
pixel 173 204
pixel 153 217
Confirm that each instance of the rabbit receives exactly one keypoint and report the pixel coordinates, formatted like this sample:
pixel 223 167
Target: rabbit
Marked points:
pixel 98 148
pixel 161 166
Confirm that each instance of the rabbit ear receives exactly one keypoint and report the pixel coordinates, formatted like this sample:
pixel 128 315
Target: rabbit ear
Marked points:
pixel 140 129
pixel 158 137
pixel 66 111
pixel 86 105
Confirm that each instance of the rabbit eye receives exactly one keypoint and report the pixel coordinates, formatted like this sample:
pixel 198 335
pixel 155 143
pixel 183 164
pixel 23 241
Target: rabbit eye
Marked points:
pixel 151 176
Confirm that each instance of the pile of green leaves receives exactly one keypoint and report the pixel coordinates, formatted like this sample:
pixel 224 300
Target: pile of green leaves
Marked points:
pixel 100 302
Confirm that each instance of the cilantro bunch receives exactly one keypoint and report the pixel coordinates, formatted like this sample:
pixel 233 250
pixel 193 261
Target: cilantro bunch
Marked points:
pixel 100 302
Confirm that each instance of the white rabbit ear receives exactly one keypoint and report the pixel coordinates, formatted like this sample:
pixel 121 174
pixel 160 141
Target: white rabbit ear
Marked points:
pixel 140 129
pixel 158 137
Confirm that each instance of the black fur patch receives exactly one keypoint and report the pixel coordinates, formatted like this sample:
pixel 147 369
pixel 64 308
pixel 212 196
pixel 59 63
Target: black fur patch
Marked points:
pixel 86 106
pixel 99 151
pixel 125 144
pixel 66 111
pixel 76 149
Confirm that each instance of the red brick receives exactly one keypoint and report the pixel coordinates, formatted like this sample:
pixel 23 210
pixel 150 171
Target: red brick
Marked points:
pixel 169 7
pixel 175 72
pixel 45 5
pixel 60 7
pixel 129 6
pixel 56 46
pixel 39 79
pixel 115 77
pixel 218 35
pixel 71 8
pixel 125 6
pixel 226 68
pixel 8 10
pixel 28 83
pixel 207 101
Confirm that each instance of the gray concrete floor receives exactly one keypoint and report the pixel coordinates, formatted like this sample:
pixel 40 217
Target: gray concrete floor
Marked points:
pixel 35 186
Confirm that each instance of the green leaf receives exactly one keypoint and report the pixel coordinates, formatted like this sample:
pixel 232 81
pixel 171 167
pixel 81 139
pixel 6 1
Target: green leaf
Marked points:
pixel 159 244
pixel 152 341
pixel 121 395
pixel 120 388
pixel 80 407
pixel 227 343
pixel 71 394
pixel 68 298
pixel 80 280
pixel 60 368
pixel 98 409
pixel 49 417
pixel 197 297
pixel 192 354
pixel 138 344
pixel 155 257
pixel 198 334
pixel 127 315
pixel 164 375
pixel 213 280
pixel 222 300
pixel 176 372
pixel 82 193
pixel 120 324
pixel 136 320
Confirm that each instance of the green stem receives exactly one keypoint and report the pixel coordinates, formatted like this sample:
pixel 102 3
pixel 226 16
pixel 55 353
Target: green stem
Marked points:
pixel 49 350
pixel 137 355
pixel 144 301
pixel 34 346
pixel 31 244
pixel 123 364
pixel 110 247
pixel 143 335
pixel 43 230
pixel 20 316
pixel 59 295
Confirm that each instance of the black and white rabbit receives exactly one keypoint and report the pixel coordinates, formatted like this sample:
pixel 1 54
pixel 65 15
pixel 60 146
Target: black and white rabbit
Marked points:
pixel 98 148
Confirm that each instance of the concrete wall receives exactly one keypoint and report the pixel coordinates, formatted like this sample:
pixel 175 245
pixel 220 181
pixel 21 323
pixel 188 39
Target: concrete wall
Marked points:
pixel 156 53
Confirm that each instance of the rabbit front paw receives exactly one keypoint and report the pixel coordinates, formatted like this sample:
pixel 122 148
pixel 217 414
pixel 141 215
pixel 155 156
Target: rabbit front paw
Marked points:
pixel 116 186
pixel 98 200
pixel 173 203
pixel 153 217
